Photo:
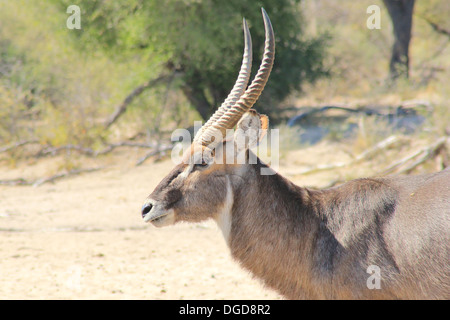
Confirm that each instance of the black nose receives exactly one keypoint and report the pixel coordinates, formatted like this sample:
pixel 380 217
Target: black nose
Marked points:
pixel 146 209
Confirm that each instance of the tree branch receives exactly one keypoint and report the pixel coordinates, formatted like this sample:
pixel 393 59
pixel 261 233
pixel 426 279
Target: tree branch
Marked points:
pixel 160 151
pixel 436 27
pixel 120 109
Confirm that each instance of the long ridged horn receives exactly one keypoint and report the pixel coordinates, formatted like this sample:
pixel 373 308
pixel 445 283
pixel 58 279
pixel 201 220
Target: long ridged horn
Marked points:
pixel 240 85
pixel 231 117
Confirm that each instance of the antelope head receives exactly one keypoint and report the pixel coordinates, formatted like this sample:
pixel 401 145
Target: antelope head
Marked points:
pixel 203 184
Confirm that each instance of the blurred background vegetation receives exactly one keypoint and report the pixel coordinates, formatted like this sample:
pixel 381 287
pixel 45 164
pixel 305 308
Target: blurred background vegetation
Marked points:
pixel 138 69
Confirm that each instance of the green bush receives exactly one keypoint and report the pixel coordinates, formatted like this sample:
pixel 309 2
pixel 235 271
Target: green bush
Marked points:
pixel 203 40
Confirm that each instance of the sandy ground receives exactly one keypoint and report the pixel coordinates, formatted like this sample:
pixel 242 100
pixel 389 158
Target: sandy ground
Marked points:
pixel 83 238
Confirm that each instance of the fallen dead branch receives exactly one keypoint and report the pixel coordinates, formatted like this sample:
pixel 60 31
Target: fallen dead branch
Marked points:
pixel 41 181
pixel 421 156
pixel 15 182
pixel 157 149
pixel 17 145
pixel 52 151
pixel 57 176
pixel 364 155
pixel 49 150
pixel 382 111
pixel 161 151
pixel 112 146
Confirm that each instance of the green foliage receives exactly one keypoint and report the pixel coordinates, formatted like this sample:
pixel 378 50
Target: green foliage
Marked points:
pixel 203 39
pixel 11 127
pixel 52 87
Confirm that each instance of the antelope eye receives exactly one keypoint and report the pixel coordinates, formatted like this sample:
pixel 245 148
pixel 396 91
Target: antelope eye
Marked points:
pixel 204 163
pixel 201 160
pixel 201 165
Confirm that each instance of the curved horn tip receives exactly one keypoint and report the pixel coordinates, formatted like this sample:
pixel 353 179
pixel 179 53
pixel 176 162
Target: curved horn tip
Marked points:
pixel 244 25
pixel 247 36
pixel 266 18
pixel 264 12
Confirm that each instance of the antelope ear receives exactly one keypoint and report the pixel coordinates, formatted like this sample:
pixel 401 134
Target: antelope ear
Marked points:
pixel 264 126
pixel 250 130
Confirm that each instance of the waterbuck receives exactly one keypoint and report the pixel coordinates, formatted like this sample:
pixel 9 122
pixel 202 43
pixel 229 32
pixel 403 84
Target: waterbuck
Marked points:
pixel 374 238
